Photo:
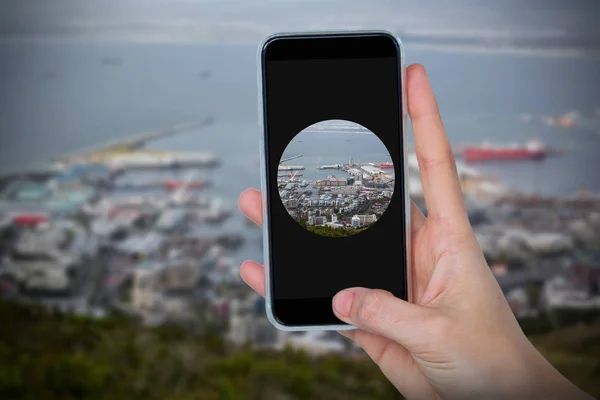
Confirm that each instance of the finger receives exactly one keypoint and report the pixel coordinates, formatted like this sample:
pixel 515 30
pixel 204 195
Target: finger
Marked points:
pixel 441 187
pixel 250 202
pixel 396 363
pixel 254 275
pixel 379 312
pixel 417 219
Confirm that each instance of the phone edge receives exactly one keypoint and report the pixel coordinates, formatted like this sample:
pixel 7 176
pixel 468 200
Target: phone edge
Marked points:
pixel 264 178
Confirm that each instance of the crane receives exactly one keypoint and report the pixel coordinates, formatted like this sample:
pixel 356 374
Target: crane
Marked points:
pixel 289 159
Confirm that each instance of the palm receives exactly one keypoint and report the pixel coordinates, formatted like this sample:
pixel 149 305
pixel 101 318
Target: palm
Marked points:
pixel 422 263
pixel 408 371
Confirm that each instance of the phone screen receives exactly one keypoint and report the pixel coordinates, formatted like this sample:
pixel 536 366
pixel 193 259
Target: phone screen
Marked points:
pixel 335 168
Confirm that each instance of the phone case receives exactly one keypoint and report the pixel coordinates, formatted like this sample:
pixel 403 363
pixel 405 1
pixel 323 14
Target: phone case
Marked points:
pixel 264 178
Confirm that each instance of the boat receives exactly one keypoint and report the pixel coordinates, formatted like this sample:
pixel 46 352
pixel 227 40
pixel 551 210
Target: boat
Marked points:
pixel 29 219
pixel 171 184
pixel 567 121
pixel 533 150
pixel 204 75
pixel 332 166
pixel 386 165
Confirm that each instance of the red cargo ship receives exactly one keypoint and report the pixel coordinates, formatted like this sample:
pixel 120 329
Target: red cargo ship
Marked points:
pixel 174 185
pixel 386 165
pixel 534 150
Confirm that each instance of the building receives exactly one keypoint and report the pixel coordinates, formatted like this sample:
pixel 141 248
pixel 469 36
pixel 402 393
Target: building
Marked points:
pixel 334 218
pixel 585 271
pixel 355 222
pixel 26 191
pixel 171 220
pixel 141 246
pixel 313 342
pixel 43 260
pixel 331 181
pixel 317 221
pixel 178 278
pixel 366 219
pixel 334 224
pixel 293 203
pixel 54 278
pixel 142 290
pixel 518 301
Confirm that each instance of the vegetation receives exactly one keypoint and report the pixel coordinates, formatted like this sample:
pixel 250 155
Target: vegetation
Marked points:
pixel 49 355
pixel 328 230
pixel 334 232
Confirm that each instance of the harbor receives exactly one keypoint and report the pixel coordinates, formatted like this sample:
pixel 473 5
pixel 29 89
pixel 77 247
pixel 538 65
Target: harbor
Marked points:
pixel 352 197
pixel 82 234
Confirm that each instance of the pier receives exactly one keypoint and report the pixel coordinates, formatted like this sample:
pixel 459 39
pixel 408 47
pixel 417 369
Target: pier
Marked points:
pixel 130 144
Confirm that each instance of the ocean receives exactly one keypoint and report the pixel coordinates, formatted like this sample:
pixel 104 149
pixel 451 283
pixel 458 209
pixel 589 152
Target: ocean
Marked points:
pixel 56 98
pixel 327 148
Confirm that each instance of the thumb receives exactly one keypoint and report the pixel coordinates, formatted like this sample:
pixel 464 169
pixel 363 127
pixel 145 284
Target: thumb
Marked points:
pixel 379 312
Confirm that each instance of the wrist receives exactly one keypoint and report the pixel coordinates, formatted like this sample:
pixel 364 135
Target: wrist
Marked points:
pixel 542 380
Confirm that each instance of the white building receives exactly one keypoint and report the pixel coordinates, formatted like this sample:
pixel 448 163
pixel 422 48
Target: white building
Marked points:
pixel 367 219
pixel 372 170
pixel 142 292
pixel 355 222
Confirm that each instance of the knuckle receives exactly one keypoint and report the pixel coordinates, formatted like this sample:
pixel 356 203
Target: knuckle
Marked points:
pixel 443 160
pixel 431 163
pixel 370 306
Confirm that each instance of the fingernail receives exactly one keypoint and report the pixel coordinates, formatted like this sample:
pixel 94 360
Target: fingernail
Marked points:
pixel 342 302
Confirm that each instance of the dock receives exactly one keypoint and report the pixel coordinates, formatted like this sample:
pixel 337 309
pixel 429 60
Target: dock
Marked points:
pixel 130 144
pixel 291 167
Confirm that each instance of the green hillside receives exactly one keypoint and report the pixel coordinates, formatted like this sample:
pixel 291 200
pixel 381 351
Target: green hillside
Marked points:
pixel 46 355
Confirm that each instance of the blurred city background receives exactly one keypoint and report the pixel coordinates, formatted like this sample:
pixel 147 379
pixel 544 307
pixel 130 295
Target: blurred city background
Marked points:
pixel 128 129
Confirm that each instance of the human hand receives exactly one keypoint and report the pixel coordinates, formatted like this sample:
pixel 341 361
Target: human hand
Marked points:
pixel 459 339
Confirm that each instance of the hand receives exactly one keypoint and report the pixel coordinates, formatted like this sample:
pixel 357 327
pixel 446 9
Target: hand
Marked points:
pixel 459 340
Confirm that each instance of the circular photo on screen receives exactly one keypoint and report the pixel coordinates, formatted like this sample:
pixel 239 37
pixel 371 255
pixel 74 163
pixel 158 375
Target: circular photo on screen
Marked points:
pixel 336 178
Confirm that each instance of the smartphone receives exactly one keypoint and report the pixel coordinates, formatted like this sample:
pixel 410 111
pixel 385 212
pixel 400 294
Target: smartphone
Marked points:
pixel 332 112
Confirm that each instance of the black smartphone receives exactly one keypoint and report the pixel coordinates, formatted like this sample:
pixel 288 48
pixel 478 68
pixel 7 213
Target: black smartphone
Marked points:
pixel 333 168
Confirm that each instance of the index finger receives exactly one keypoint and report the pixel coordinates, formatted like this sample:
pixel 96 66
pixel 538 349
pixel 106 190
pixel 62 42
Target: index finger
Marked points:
pixel 250 202
pixel 441 187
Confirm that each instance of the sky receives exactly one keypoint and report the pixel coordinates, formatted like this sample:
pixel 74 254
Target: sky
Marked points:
pixel 247 21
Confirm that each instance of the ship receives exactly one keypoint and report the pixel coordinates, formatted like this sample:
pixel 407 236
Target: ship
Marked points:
pixel 533 150
pixel 332 166
pixel 171 184
pixel 567 121
pixel 386 165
